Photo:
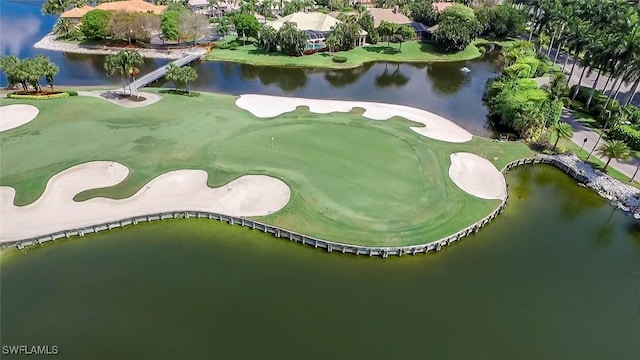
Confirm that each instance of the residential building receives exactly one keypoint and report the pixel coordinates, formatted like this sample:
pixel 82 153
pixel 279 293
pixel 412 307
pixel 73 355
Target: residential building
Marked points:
pixel 317 26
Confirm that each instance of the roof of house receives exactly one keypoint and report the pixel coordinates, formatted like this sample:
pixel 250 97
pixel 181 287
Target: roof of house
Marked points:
pixel 198 2
pixel 132 6
pixel 128 5
pixel 389 15
pixel 76 12
pixel 315 21
pixel 440 6
pixel 393 16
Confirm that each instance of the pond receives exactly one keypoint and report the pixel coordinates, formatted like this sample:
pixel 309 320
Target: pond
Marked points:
pixel 442 88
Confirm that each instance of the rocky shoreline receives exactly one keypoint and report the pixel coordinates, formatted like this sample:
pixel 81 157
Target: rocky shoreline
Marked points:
pixel 50 43
pixel 621 195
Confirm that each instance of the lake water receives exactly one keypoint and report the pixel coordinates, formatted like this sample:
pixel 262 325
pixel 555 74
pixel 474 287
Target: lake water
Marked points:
pixel 441 88
pixel 556 276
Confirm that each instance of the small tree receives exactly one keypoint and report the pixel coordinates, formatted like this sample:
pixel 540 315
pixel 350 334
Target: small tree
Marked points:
pixel 247 25
pixel 122 64
pixel 192 25
pixel 47 69
pixel 63 28
pixel 223 26
pixel 169 24
pixel 387 30
pixel 144 26
pixel 292 41
pixel 268 39
pixel 10 66
pixel 332 41
pixel 404 33
pixel 562 130
pixel 94 24
pixel 121 25
pixel 614 149
pixel 181 76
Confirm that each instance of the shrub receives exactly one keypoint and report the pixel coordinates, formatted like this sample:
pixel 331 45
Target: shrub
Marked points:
pixel 339 59
pixel 628 134
pixel 72 93
pixel 17 95
pixel 634 113
pixel 224 46
pixel 518 70
pixel 543 68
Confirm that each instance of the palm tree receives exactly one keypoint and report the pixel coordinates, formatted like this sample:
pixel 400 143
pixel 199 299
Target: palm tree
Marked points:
pixel 123 63
pixel 562 130
pixel 63 28
pixel 614 149
pixel 181 76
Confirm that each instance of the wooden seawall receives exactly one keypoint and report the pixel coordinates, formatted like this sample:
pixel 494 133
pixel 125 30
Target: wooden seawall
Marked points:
pixel 329 246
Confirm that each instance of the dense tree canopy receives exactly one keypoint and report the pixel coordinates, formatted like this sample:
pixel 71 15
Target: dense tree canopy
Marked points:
pixel 169 24
pixel 28 71
pixel 94 24
pixel 292 41
pixel 246 25
pixel 181 76
pixel 457 28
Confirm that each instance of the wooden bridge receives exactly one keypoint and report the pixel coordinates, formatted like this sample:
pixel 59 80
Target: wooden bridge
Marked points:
pixel 147 79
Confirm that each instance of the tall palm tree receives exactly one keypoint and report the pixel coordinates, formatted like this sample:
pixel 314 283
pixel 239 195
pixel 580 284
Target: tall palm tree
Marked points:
pixel 562 130
pixel 123 64
pixel 614 149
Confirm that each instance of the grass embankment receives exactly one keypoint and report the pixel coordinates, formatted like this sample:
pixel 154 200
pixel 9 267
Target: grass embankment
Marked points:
pixel 352 179
pixel 412 51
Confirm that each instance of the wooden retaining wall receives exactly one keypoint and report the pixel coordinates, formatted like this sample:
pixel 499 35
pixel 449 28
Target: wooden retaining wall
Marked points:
pixel 329 246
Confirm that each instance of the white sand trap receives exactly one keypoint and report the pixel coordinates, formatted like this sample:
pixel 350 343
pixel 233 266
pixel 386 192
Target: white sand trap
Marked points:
pixel 436 127
pixel 180 190
pixel 477 176
pixel 12 116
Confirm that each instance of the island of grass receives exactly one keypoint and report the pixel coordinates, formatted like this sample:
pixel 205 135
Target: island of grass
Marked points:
pixel 412 51
pixel 352 179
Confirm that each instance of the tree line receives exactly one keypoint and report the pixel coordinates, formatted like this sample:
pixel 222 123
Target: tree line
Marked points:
pixel 29 71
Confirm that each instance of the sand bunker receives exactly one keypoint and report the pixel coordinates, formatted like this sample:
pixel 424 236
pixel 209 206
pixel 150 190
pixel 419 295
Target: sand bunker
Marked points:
pixel 436 127
pixel 180 190
pixel 477 176
pixel 12 116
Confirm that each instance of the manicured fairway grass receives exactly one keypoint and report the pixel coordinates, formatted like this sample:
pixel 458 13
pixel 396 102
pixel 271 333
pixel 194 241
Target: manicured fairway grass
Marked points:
pixel 353 179
pixel 412 51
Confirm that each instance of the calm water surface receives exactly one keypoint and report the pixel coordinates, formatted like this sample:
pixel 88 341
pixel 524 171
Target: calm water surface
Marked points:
pixel 441 88
pixel 556 276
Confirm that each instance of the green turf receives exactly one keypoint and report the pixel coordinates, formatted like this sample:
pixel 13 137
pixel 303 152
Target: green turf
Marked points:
pixel 412 51
pixel 353 180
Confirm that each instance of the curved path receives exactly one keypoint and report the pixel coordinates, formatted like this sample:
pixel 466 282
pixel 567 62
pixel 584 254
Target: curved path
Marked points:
pixel 180 190
pixel 435 126
pixel 115 97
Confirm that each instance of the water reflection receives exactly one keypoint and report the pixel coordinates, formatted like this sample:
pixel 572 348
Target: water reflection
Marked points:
pixel 440 88
pixel 447 78
pixel 17 33
pixel 290 80
pixel 391 78
pixel 344 77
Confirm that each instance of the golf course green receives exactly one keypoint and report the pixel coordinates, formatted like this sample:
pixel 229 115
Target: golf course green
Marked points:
pixel 352 179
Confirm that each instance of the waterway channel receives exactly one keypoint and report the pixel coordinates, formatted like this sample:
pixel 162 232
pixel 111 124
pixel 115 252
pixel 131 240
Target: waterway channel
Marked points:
pixel 556 276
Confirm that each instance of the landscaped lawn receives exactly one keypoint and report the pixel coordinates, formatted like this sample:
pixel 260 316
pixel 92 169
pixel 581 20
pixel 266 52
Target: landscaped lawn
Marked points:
pixel 412 51
pixel 353 179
